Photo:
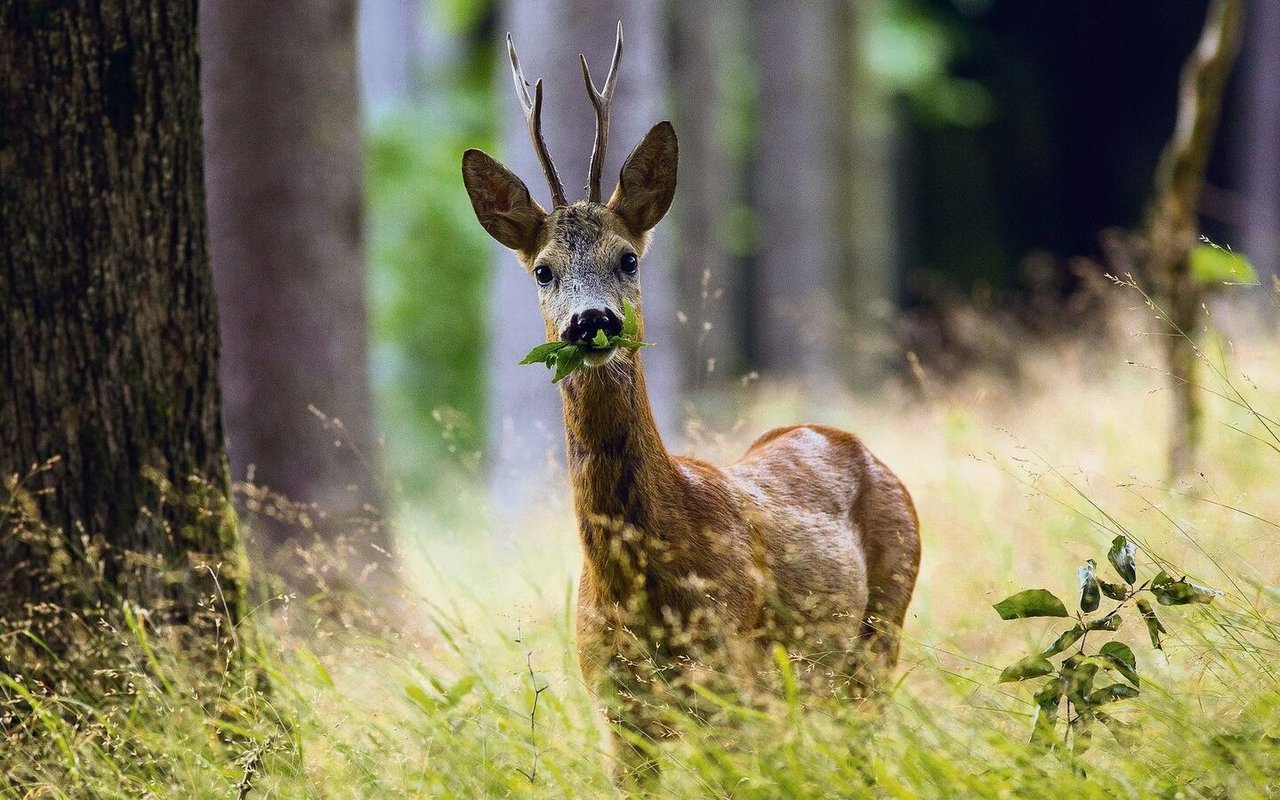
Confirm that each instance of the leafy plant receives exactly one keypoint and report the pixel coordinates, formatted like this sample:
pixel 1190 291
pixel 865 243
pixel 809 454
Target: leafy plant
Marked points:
pixel 1072 697
pixel 565 357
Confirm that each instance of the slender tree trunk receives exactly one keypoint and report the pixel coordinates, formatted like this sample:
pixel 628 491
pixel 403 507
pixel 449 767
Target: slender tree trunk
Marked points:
pixel 524 417
pixel 1172 223
pixel 390 45
pixel 867 275
pixel 799 207
pixel 113 474
pixel 1260 132
pixel 710 288
pixel 285 220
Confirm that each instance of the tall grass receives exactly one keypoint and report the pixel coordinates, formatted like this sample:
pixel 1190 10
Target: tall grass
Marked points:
pixel 1016 485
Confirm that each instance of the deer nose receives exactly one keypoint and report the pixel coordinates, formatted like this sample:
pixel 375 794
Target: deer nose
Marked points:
pixel 584 325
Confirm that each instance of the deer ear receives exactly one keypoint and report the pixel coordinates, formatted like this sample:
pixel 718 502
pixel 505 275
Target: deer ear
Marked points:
pixel 647 184
pixel 501 201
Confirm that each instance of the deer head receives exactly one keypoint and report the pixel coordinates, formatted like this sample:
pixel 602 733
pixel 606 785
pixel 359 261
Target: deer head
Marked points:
pixel 584 257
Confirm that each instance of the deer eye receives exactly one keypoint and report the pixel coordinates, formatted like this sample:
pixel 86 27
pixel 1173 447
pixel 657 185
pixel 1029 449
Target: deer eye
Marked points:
pixel 629 263
pixel 543 274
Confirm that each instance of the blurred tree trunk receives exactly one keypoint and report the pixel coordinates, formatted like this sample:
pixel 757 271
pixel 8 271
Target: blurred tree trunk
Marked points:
pixel 112 461
pixel 390 35
pixel 282 122
pixel 525 417
pixel 867 272
pixel 1172 225
pixel 799 206
pixel 710 288
pixel 1260 159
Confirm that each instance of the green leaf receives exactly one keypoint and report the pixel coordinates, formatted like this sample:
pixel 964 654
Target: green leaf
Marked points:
pixel 630 324
pixel 1114 590
pixel 1212 265
pixel 1110 622
pixel 1125 733
pixel 1180 592
pixel 1154 626
pixel 1122 658
pixel 544 352
pixel 1081 732
pixel 459 690
pixel 1109 694
pixel 565 357
pixel 1033 666
pixel 1047 700
pixel 421 699
pixel 1089 594
pixel 1031 603
pixel 567 361
pixel 1121 555
pixel 1079 672
pixel 1064 641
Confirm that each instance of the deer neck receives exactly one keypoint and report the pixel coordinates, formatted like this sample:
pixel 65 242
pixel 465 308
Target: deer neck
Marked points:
pixel 619 469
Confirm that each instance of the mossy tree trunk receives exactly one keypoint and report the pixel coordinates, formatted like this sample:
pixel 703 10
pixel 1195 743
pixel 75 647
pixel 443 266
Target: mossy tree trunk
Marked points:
pixel 112 457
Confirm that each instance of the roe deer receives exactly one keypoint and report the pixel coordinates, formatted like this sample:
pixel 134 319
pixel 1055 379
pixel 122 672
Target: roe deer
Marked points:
pixel 808 541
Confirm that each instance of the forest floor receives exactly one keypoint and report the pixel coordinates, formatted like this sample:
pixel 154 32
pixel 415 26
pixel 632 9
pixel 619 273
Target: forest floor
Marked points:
pixel 1016 488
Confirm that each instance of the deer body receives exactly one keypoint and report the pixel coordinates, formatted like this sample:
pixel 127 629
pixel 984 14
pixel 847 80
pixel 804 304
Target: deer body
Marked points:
pixel 692 573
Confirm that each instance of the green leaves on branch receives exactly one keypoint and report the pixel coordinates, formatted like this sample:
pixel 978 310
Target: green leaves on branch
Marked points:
pixel 1090 594
pixel 1154 626
pixel 1180 592
pixel 1073 679
pixel 566 357
pixel 1032 666
pixel 1031 603
pixel 1121 555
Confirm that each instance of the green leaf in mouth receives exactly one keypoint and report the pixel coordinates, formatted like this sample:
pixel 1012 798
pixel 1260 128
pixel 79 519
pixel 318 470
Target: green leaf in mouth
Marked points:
pixel 564 358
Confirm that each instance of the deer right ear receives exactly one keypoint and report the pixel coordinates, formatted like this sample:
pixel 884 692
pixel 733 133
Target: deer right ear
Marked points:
pixel 647 184
pixel 502 202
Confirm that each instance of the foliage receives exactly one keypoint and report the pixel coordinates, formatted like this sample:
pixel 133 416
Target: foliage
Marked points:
pixel 429 263
pixel 566 357
pixel 1074 679
pixel 1214 265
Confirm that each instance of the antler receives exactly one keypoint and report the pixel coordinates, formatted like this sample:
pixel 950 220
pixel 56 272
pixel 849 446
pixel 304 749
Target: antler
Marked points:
pixel 533 114
pixel 601 100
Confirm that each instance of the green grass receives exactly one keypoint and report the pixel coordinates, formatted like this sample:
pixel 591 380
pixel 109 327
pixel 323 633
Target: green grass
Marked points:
pixel 1016 486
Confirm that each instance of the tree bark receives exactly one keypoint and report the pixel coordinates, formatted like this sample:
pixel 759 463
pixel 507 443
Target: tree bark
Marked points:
pixel 284 166
pixel 525 424
pixel 113 473
pixel 798 203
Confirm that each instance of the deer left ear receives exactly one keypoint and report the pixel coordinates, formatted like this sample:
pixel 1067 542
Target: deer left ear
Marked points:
pixel 502 202
pixel 647 184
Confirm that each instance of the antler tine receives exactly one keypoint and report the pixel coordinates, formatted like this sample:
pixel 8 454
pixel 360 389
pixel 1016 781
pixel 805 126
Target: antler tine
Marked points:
pixel 533 115
pixel 602 101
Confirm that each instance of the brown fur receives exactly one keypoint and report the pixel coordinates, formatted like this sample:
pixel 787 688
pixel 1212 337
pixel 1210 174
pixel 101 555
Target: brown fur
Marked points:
pixel 693 573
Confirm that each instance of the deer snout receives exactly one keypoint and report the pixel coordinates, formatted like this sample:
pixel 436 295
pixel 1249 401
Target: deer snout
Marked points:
pixel 584 325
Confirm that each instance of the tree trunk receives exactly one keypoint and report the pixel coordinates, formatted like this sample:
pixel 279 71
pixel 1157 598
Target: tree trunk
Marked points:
pixel 710 287
pixel 1260 159
pixel 524 417
pixel 798 203
pixel 867 274
pixel 1172 224
pixel 114 472
pixel 285 221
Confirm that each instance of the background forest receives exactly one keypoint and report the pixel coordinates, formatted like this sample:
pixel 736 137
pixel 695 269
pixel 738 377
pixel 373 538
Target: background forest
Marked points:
pixel 1028 252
